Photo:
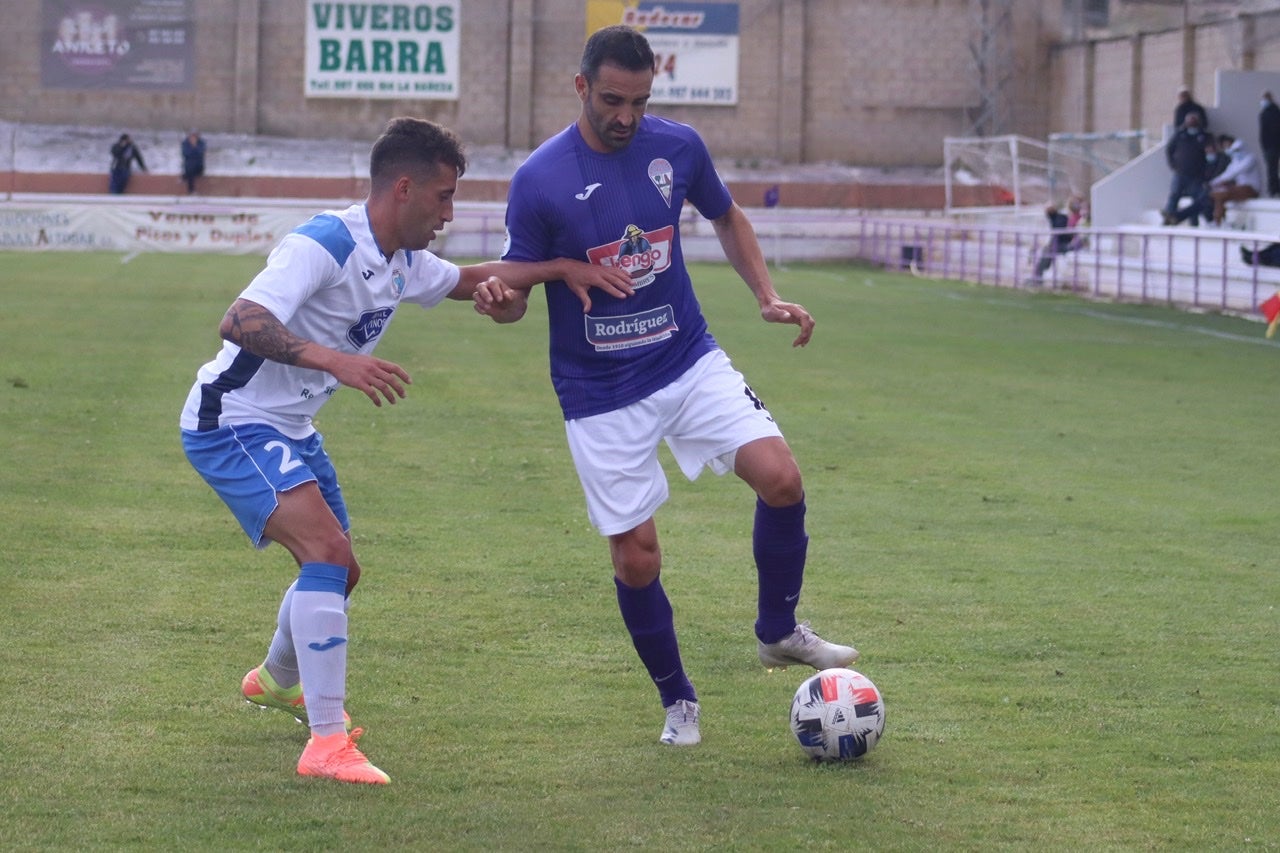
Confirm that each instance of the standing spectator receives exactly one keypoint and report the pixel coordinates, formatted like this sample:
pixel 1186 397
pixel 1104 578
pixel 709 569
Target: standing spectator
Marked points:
pixel 634 372
pixel 193 146
pixel 1187 106
pixel 1240 181
pixel 123 155
pixel 1185 153
pixel 1269 140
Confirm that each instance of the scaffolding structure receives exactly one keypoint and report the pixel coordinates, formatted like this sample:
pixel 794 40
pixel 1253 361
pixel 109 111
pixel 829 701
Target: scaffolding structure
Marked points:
pixel 991 44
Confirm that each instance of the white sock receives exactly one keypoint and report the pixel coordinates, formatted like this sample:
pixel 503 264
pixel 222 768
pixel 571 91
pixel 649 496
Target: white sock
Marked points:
pixel 318 620
pixel 282 661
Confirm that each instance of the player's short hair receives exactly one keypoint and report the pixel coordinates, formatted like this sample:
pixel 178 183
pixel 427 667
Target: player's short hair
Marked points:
pixel 414 146
pixel 616 45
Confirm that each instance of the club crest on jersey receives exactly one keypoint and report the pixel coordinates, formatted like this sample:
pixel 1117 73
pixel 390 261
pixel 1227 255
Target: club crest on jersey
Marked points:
pixel 397 279
pixel 642 254
pixel 369 326
pixel 663 176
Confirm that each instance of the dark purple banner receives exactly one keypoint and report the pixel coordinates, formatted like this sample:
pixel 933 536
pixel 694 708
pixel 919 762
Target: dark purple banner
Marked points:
pixel 144 45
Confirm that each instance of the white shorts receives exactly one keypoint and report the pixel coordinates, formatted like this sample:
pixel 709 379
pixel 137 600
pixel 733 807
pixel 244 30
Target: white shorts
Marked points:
pixel 704 416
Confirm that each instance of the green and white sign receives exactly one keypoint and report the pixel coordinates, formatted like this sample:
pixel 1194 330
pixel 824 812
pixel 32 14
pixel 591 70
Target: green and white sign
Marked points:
pixel 382 50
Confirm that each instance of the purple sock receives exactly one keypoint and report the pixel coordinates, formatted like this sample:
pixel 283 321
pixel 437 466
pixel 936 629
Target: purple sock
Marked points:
pixel 647 614
pixel 779 544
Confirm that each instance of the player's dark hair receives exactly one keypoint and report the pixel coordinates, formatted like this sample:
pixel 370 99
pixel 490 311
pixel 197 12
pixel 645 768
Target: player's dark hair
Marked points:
pixel 617 45
pixel 414 146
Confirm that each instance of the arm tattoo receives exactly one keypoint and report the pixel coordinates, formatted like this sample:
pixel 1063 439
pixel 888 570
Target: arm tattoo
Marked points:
pixel 257 330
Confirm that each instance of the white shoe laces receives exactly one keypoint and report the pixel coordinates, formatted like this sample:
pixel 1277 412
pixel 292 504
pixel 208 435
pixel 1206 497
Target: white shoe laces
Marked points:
pixel 682 712
pixel 806 637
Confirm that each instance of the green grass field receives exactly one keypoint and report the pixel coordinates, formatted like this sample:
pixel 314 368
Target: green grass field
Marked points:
pixel 1051 527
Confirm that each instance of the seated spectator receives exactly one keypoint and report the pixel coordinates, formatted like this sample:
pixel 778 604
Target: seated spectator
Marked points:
pixel 1242 179
pixel 1063 239
pixel 1216 158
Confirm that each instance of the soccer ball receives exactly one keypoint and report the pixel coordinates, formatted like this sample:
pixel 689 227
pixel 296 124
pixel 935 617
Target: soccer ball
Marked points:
pixel 837 715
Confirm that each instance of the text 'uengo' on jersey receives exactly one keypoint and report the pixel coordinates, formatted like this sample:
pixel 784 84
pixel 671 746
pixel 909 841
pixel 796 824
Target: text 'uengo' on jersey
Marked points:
pixel 642 254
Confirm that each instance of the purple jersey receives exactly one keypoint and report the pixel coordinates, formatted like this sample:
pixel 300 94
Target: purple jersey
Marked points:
pixel 623 210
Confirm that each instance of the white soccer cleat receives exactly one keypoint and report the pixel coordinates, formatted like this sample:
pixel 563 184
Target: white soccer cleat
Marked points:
pixel 804 646
pixel 682 724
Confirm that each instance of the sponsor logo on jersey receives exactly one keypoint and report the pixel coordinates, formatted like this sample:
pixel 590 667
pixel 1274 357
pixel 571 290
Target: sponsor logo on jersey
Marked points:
pixel 631 330
pixel 643 254
pixel 663 176
pixel 587 191
pixel 369 326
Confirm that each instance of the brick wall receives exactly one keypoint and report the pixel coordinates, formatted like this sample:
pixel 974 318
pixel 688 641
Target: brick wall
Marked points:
pixel 864 82
pixel 1112 81
pixel 1161 71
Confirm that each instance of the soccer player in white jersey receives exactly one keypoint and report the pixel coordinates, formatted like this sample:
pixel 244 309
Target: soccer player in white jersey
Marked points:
pixel 642 368
pixel 307 324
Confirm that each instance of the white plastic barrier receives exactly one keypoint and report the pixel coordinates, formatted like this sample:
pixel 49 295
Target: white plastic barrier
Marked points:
pixel 149 224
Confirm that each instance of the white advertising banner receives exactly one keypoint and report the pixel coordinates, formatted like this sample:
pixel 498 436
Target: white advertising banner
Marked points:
pixel 143 228
pixel 382 50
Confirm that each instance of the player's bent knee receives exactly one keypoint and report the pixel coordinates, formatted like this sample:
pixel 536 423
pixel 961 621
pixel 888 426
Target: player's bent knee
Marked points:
pixel 637 558
pixel 784 492
pixel 775 478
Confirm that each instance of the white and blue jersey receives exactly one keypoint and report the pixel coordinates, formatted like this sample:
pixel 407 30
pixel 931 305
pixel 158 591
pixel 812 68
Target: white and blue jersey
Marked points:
pixel 620 209
pixel 328 282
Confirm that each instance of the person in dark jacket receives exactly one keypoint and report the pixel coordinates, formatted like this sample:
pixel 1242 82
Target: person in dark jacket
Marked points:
pixel 1185 152
pixel 1269 142
pixel 123 155
pixel 193 147
pixel 1187 106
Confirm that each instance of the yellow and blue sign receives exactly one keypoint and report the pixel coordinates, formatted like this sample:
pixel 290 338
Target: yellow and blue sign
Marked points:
pixel 695 45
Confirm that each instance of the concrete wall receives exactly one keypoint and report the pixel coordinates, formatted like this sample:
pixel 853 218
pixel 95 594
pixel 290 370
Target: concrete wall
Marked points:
pixel 861 82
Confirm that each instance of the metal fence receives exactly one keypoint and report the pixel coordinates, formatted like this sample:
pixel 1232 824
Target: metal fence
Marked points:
pixel 1188 268
pixel 1179 267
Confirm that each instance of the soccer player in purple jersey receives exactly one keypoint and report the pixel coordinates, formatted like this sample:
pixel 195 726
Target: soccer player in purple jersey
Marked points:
pixel 306 325
pixel 633 371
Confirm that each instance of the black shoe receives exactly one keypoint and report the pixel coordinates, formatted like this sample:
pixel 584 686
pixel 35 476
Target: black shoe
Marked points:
pixel 1246 255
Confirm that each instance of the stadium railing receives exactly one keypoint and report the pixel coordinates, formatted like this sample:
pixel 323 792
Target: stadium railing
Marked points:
pixel 1189 268
pixel 1197 269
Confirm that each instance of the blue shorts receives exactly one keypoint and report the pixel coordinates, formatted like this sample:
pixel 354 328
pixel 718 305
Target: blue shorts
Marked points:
pixel 249 464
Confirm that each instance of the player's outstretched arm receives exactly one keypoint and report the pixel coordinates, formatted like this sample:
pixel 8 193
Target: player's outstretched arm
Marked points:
pixel 256 330
pixel 580 277
pixel 742 248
